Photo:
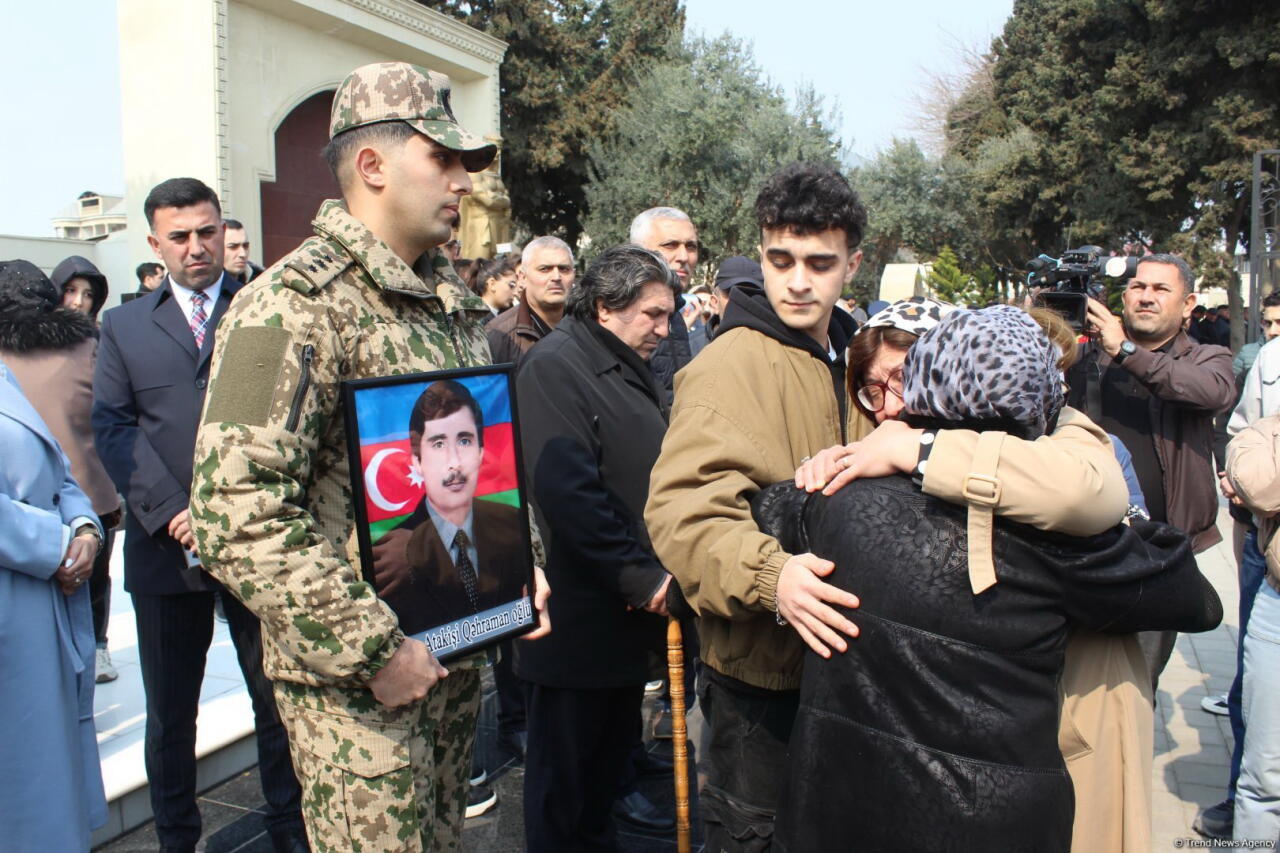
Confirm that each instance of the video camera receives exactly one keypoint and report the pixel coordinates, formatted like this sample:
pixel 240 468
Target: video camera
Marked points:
pixel 1066 283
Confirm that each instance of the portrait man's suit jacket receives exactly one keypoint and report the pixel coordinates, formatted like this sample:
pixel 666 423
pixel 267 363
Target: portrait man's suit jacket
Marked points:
pixel 436 594
pixel 148 389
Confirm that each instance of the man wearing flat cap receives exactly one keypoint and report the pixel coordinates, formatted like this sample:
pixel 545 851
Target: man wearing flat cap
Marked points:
pixel 381 732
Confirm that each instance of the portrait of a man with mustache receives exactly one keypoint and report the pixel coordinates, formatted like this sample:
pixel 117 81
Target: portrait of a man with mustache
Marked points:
pixel 454 556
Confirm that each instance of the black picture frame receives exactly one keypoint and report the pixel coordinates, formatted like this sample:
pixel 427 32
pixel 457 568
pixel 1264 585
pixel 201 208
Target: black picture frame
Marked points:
pixel 431 598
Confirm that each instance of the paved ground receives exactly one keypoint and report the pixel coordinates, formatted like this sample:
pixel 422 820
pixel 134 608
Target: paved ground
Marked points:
pixel 232 811
pixel 1193 750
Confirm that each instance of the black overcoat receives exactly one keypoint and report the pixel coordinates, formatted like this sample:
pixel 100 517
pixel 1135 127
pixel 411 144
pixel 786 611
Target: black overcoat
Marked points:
pixel 591 425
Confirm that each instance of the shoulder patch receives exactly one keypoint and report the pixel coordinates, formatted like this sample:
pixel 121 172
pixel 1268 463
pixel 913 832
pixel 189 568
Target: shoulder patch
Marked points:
pixel 311 266
pixel 247 376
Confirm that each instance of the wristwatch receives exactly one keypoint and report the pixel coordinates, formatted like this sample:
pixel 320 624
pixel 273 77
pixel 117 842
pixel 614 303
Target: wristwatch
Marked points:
pixel 1127 349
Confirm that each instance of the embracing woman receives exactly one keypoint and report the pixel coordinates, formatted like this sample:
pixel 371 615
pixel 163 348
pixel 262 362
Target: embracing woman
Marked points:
pixel 938 729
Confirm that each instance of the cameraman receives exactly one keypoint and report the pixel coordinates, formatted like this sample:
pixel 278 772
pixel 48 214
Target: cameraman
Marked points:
pixel 1151 385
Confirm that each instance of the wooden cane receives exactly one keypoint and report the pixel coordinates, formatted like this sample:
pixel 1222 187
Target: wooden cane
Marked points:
pixel 679 736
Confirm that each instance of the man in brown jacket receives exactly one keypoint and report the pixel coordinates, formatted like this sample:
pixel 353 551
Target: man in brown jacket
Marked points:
pixel 546 273
pixel 764 395
pixel 1148 383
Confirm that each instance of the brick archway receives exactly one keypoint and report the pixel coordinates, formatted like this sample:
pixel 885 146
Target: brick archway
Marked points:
pixel 303 181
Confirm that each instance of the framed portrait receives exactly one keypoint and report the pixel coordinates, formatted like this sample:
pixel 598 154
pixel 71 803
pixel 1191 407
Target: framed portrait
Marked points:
pixel 441 513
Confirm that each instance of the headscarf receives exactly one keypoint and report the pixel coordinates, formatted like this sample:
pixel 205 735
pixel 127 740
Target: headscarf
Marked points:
pixel 915 315
pixel 31 312
pixel 993 365
pixel 23 285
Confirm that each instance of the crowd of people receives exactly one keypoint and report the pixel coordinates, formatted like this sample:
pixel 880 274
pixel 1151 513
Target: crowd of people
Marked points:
pixel 902 638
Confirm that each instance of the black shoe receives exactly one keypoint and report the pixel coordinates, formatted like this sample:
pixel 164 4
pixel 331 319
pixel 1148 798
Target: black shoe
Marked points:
pixel 512 746
pixel 480 799
pixel 651 763
pixel 1216 821
pixel 636 810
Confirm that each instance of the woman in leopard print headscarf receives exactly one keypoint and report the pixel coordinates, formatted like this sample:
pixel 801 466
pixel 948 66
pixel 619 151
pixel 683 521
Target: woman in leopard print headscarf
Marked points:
pixel 995 369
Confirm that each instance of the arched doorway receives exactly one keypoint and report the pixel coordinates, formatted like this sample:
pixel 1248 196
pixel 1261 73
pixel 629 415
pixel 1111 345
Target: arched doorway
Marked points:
pixel 303 181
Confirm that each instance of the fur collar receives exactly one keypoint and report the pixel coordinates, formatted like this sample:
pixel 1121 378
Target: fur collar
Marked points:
pixel 23 328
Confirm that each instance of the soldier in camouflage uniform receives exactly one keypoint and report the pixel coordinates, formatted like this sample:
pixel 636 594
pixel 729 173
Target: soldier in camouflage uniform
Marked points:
pixel 381 738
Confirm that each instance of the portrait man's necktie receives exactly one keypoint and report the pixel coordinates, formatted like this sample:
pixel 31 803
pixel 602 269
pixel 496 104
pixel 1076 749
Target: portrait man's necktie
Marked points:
pixel 199 319
pixel 465 570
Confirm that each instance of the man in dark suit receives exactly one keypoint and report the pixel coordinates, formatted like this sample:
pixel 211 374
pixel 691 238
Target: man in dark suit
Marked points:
pixel 149 387
pixel 463 556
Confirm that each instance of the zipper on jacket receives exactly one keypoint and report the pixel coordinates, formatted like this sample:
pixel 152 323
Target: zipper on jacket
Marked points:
pixel 457 349
pixel 304 382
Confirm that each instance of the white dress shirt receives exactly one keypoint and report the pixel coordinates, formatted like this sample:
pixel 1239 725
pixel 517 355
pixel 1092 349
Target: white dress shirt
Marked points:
pixel 183 295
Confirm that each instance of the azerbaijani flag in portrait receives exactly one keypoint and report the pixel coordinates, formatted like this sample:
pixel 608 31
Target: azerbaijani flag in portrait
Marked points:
pixel 392 488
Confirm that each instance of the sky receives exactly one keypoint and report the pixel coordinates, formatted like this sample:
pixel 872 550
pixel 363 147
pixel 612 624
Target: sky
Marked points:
pixel 60 134
pixel 867 58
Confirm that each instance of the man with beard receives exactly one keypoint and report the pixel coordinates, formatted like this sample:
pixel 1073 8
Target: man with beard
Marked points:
pixel 239 266
pixel 381 733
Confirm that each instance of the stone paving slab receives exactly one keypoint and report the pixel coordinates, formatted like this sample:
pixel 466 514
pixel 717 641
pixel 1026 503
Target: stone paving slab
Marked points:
pixel 1193 747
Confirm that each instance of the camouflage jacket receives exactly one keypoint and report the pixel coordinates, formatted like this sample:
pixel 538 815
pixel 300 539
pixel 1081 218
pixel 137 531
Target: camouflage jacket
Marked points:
pixel 271 500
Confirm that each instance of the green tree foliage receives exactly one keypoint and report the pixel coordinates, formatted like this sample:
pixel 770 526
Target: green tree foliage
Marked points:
pixel 946 279
pixel 950 283
pixel 916 204
pixel 1125 122
pixel 568 71
pixel 702 133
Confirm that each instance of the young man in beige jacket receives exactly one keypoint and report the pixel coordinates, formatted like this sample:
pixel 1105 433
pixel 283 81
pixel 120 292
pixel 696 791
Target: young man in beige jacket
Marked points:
pixel 764 396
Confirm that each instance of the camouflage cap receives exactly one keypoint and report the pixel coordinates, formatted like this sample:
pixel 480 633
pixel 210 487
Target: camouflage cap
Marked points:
pixel 398 91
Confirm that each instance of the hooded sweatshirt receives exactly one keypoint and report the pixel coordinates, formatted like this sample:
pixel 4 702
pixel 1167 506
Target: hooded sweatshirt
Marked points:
pixel 759 399
pixel 78 267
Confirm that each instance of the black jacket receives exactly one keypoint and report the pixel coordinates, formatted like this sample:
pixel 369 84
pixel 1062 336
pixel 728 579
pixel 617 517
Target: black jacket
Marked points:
pixel 673 352
pixel 591 426
pixel 938 728
pixel 148 391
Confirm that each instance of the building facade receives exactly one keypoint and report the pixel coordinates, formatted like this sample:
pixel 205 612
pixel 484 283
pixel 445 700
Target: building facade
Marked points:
pixel 247 113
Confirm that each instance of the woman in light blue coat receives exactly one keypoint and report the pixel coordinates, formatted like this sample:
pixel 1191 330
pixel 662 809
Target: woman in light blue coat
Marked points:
pixel 50 782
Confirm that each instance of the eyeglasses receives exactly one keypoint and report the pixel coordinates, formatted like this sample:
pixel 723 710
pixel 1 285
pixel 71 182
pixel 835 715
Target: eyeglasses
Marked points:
pixel 873 394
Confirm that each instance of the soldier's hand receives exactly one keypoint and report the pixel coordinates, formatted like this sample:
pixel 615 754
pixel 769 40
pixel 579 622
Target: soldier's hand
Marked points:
pixel 391 562
pixel 541 592
pixel 407 677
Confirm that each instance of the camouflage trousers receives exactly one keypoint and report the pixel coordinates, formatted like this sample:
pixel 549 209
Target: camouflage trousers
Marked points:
pixel 376 779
